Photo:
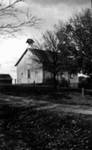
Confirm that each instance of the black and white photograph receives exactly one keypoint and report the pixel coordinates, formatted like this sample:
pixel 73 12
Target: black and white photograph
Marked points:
pixel 45 74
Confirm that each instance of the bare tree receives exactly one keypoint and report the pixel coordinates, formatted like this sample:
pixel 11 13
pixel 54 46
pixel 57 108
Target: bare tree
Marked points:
pixel 49 57
pixel 59 51
pixel 13 19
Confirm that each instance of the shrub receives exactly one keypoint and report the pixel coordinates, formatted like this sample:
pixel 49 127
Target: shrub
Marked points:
pixel 64 83
pixel 85 82
pixel 50 81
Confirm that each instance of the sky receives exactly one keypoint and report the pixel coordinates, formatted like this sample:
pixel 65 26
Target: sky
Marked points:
pixel 50 11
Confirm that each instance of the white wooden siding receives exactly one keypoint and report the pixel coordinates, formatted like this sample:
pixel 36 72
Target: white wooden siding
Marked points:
pixel 22 70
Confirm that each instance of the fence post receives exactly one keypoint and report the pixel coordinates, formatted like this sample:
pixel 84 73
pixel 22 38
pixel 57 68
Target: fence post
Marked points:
pixel 82 92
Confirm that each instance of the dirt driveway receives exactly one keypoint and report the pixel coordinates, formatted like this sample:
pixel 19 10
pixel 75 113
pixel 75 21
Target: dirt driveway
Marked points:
pixel 45 105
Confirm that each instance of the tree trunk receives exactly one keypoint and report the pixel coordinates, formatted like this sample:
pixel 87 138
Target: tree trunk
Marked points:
pixel 55 81
pixel 68 80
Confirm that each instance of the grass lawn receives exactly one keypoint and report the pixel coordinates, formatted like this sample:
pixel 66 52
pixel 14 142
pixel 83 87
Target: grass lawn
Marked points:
pixel 24 127
pixel 74 98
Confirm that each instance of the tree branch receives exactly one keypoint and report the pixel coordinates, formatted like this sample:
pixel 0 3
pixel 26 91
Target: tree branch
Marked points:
pixel 13 19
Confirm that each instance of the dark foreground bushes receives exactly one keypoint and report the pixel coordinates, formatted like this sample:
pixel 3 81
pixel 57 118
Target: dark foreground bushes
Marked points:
pixel 26 89
pixel 85 82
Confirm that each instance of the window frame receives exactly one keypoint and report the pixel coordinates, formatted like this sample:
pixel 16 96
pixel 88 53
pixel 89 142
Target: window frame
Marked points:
pixel 28 74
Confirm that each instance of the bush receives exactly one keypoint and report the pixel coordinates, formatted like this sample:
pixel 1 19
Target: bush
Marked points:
pixel 50 81
pixel 64 83
pixel 85 82
pixel 25 89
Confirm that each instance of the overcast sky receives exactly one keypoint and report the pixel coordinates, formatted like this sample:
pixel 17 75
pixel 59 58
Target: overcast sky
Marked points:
pixel 57 2
pixel 51 11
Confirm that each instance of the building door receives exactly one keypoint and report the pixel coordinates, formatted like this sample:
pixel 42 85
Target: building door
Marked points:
pixel 28 75
pixel 21 77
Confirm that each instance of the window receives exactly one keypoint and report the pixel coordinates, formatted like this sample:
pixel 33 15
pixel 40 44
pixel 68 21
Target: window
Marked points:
pixel 21 75
pixel 28 73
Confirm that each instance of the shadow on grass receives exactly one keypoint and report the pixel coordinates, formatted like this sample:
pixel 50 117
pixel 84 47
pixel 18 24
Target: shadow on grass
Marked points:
pixel 26 128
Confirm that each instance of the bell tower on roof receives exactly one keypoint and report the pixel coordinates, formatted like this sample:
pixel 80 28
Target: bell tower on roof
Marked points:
pixel 30 43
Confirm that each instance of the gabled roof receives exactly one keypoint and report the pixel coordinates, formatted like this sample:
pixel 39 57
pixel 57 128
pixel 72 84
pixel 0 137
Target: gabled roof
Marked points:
pixel 39 53
pixel 21 57
pixel 5 76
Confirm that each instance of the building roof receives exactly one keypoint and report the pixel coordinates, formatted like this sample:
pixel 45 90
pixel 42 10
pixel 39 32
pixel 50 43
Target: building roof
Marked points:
pixel 39 53
pixel 5 76
pixel 21 57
